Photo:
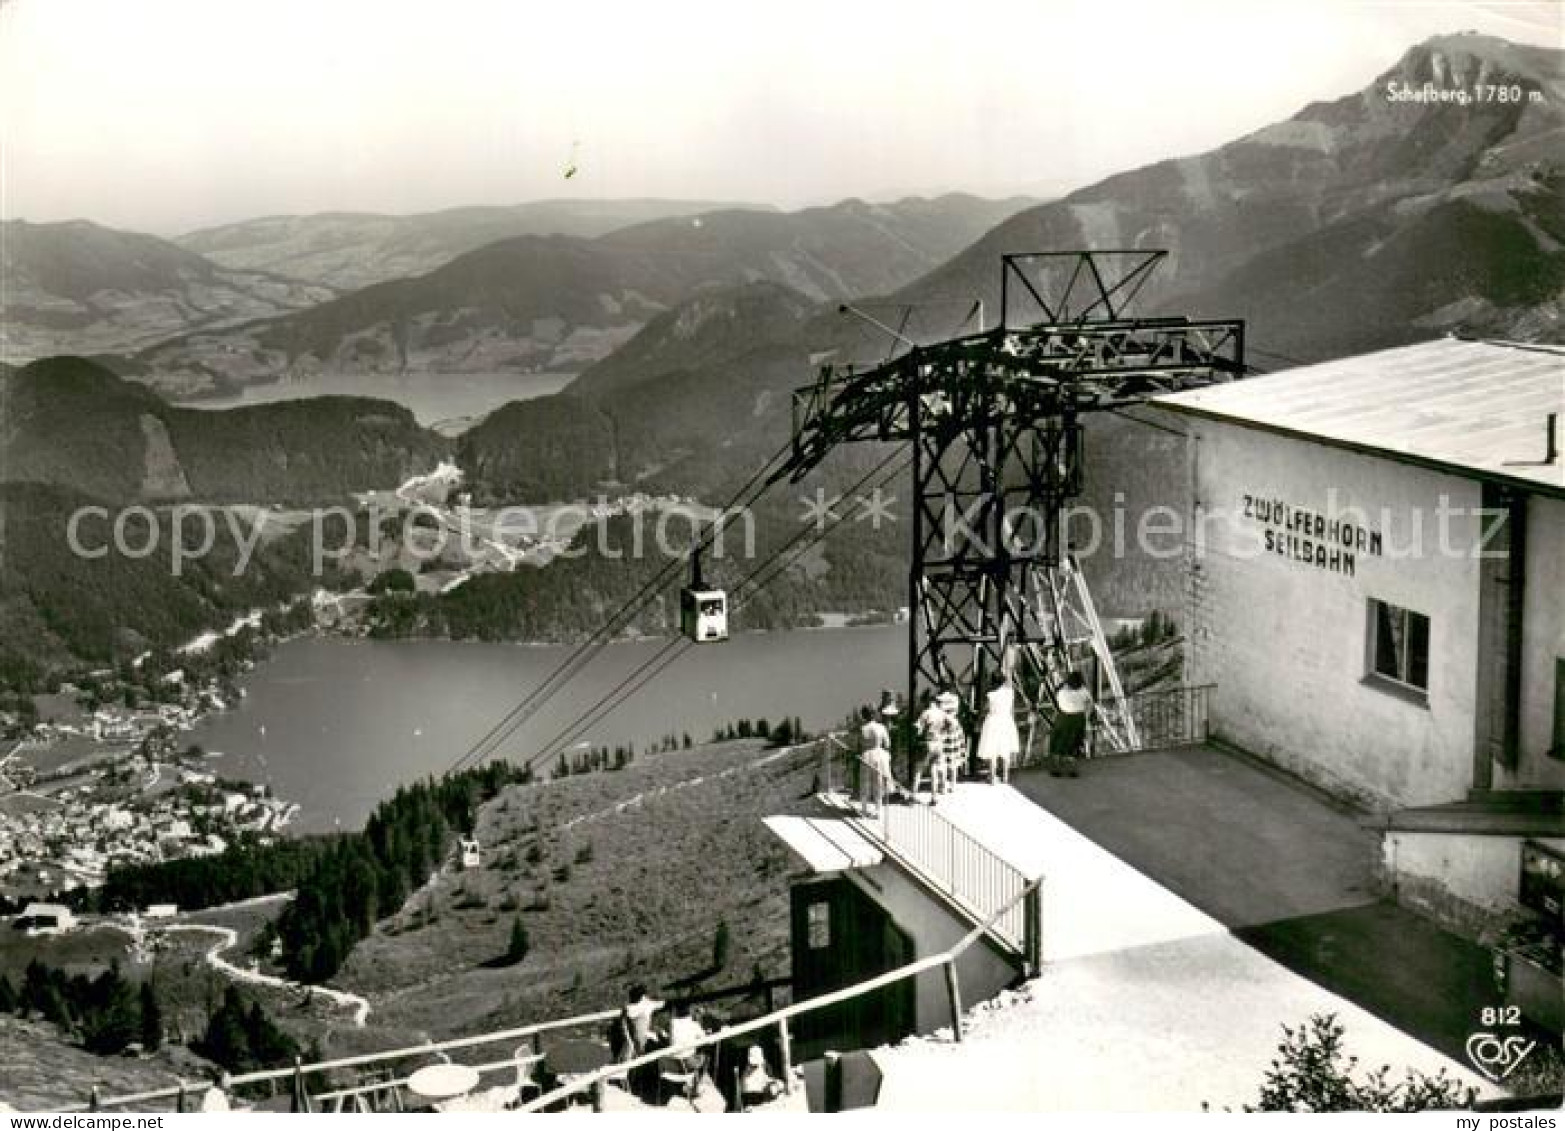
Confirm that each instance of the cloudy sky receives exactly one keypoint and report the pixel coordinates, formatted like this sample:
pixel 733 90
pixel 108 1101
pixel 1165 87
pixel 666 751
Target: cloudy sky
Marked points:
pixel 167 115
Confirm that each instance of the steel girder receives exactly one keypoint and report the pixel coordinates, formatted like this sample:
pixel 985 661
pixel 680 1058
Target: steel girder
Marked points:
pixel 995 420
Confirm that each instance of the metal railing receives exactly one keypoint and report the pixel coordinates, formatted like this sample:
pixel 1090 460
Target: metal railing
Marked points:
pixel 959 866
pixel 1175 716
pixel 1006 905
pixel 528 1054
pixel 595 1081
pixel 1163 720
pixel 296 1075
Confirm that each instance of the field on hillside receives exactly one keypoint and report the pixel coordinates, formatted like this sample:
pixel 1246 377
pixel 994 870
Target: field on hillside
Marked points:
pixel 617 877
pixel 40 1070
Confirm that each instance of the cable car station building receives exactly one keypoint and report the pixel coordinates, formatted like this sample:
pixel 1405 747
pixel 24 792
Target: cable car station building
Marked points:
pixel 1375 585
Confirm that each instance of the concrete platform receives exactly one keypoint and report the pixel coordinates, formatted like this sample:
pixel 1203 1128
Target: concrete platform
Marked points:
pixel 1241 842
pixel 1149 1001
pixel 1093 902
pixel 1288 870
pixel 1173 1026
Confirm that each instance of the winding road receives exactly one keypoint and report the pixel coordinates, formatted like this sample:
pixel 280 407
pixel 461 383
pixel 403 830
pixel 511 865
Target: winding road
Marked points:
pixel 228 938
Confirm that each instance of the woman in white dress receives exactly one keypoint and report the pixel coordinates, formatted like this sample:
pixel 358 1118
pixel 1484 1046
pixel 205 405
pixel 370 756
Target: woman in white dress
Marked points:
pixel 998 742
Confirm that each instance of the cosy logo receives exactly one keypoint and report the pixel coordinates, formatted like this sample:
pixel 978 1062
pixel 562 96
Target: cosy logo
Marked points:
pixel 1496 1056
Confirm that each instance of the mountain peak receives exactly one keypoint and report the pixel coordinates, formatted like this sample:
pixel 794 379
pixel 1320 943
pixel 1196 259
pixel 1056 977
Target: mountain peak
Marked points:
pixel 1463 60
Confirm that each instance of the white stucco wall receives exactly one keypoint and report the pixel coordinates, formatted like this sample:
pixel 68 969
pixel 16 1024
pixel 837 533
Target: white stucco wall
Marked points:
pixel 981 972
pixel 1285 641
pixel 1457 877
pixel 1543 645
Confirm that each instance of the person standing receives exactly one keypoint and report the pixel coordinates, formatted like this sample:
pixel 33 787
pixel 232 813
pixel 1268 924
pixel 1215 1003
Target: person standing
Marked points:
pixel 930 730
pixel 1073 703
pixel 998 741
pixel 955 739
pixel 875 754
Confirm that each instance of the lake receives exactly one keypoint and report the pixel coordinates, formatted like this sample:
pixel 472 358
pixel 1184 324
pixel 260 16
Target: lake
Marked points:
pixel 434 398
pixel 338 724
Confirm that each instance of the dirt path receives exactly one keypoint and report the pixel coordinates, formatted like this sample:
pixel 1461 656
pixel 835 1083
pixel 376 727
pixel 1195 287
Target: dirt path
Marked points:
pixel 685 783
pixel 228 938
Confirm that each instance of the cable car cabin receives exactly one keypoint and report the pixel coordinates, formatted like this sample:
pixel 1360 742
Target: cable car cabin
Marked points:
pixel 703 615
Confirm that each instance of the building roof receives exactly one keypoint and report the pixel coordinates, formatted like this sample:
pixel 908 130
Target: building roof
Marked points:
pixel 52 910
pixel 1475 408
pixel 826 844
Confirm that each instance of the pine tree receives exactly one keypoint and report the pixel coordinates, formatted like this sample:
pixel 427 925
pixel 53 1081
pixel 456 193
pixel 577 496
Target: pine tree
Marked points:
pixel 269 1045
pixel 109 1016
pixel 226 1041
pixel 151 1022
pixel 722 942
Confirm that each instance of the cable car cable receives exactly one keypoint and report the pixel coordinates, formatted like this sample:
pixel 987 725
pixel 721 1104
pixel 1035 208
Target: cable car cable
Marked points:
pixel 485 746
pixel 776 564
pixel 600 710
pixel 579 657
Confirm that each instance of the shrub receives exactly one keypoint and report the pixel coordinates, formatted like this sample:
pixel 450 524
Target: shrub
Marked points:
pixel 1311 1073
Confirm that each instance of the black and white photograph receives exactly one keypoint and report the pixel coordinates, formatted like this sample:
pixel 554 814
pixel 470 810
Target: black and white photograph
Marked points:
pixel 820 557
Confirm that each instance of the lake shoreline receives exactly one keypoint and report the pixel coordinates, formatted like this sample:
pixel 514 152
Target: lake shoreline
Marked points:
pixel 337 734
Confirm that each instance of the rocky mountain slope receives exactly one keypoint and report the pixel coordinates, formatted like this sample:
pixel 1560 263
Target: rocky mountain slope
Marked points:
pixel 349 250
pixel 76 287
pixel 72 423
pixel 1367 221
pixel 1356 225
pixel 559 303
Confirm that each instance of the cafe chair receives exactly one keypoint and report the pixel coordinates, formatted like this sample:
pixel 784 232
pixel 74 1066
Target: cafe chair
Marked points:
pixel 679 1075
pixel 527 1084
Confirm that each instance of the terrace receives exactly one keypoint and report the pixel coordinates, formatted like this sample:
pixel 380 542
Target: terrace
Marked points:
pixel 1174 908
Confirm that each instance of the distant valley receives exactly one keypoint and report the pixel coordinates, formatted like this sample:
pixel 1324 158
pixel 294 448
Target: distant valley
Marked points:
pixel 472 290
pixel 1356 224
pixel 77 287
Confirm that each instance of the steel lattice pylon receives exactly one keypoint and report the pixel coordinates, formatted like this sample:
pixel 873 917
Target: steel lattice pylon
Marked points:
pixel 995 422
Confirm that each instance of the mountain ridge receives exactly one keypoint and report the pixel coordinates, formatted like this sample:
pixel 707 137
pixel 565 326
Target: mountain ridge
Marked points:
pixel 78 287
pixel 556 303
pixel 351 249
pixel 1358 157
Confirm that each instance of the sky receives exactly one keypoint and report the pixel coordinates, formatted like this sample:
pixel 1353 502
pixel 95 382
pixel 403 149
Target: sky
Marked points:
pixel 171 115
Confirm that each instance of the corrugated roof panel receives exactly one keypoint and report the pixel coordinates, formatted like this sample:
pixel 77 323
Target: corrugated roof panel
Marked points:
pixel 1471 405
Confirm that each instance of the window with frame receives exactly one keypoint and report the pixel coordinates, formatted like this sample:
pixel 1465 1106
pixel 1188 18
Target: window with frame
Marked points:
pixel 818 924
pixel 1398 646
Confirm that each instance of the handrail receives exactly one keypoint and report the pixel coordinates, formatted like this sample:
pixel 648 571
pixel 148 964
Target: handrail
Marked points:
pixel 1171 717
pixel 267 1075
pixel 277 1074
pixel 955 863
pixel 298 1070
pixel 781 1016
